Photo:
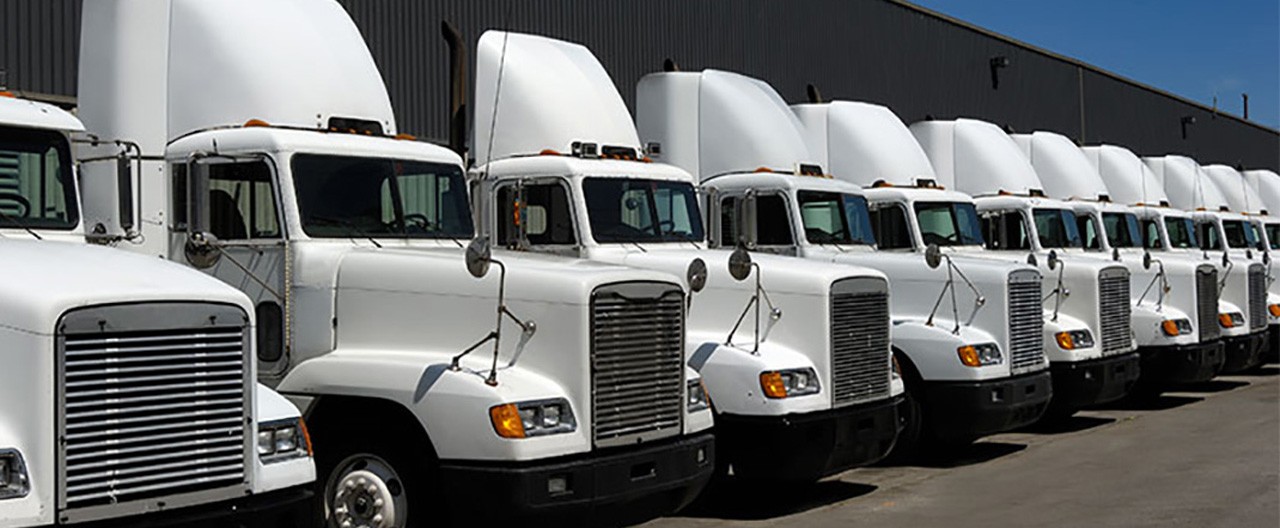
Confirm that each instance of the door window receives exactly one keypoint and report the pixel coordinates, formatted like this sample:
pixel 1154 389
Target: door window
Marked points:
pixel 891 227
pixel 242 203
pixel 1005 230
pixel 540 210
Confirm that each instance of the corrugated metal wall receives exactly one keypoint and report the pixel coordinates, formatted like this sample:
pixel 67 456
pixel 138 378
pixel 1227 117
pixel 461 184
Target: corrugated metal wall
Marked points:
pixel 874 50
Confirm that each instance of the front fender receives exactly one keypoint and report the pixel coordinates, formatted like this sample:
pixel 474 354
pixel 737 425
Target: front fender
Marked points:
pixel 934 350
pixel 452 406
pixel 37 507
pixel 732 377
pixel 1146 323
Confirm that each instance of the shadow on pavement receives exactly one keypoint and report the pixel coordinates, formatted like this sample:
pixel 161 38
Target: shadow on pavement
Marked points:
pixel 1069 424
pixel 737 500
pixel 1266 370
pixel 1211 386
pixel 1151 403
pixel 967 455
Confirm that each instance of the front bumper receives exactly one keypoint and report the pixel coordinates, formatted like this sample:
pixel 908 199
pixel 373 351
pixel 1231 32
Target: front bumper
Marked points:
pixel 1079 384
pixel 1243 352
pixel 970 409
pixel 668 473
pixel 287 508
pixel 810 446
pixel 1272 354
pixel 1181 363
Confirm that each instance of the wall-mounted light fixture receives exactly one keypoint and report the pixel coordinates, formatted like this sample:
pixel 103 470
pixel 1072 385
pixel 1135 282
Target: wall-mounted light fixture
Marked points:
pixel 1187 120
pixel 997 63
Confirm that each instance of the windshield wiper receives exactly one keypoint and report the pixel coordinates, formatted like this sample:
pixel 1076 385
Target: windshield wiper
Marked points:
pixel 347 224
pixel 15 221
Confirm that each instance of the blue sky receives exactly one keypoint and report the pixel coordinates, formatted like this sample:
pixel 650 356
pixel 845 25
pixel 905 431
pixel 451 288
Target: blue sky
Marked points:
pixel 1194 48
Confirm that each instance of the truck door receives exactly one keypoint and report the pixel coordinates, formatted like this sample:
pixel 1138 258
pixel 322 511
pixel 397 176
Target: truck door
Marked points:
pixel 238 203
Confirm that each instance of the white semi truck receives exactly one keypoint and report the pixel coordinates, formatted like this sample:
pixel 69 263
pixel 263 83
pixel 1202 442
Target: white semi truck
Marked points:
pixel 434 386
pixel 1174 299
pixel 1088 336
pixel 795 354
pixel 1267 184
pixel 128 385
pixel 1228 236
pixel 967 336
pixel 1244 197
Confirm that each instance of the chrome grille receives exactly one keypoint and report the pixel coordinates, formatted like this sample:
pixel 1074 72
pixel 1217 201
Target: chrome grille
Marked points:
pixel 860 361
pixel 637 362
pixel 1257 297
pixel 1114 309
pixel 153 406
pixel 1026 322
pixel 1207 302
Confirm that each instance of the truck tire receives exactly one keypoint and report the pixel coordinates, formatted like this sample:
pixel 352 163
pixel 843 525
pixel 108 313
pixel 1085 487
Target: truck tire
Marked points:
pixel 909 441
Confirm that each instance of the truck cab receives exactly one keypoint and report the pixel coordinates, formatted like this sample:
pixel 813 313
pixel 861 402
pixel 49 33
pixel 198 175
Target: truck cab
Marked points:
pixel 956 352
pixel 1088 334
pixel 434 371
pixel 1220 232
pixel 1267 183
pixel 1166 320
pixel 129 382
pixel 1245 198
pixel 795 354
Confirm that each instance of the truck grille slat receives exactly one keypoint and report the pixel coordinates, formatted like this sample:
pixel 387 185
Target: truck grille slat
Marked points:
pixel 1207 302
pixel 637 362
pixel 860 364
pixel 1026 322
pixel 1257 297
pixel 150 410
pixel 1114 310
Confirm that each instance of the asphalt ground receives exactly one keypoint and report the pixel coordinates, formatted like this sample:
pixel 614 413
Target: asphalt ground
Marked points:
pixel 1203 456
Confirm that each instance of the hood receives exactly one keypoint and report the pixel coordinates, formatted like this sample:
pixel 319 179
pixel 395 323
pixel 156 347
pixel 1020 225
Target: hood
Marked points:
pixel 44 279
pixel 863 143
pixel 553 94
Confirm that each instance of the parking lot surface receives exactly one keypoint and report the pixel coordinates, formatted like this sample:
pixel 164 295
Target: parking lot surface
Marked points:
pixel 1205 456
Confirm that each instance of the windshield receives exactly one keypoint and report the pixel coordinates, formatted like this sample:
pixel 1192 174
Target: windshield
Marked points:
pixel 1056 228
pixel 834 218
pixel 345 196
pixel 1273 235
pixel 35 180
pixel 1238 234
pixel 631 210
pixel 1182 233
pixel 1122 229
pixel 949 223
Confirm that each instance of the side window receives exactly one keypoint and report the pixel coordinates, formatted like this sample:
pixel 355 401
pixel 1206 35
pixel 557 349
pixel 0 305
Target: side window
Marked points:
pixel 1150 234
pixel 728 227
pixel 891 228
pixel 773 221
pixel 1088 231
pixel 242 203
pixel 545 213
pixel 178 193
pixel 1005 231
pixel 1208 235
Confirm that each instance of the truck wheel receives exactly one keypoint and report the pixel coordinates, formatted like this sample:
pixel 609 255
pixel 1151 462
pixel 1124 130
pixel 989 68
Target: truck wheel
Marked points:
pixel 374 484
pixel 912 415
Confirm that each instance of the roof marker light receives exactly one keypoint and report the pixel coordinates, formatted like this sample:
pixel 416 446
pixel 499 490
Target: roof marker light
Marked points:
pixel 255 123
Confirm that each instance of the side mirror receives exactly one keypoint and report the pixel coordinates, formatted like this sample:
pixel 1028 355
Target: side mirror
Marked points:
pixel 740 264
pixel 1226 259
pixel 746 220
pixel 933 256
pixel 1052 261
pixel 201 250
pixel 1115 254
pixel 1146 261
pixel 1266 258
pixel 197 197
pixel 696 275
pixel 124 191
pixel 1031 259
pixel 478 257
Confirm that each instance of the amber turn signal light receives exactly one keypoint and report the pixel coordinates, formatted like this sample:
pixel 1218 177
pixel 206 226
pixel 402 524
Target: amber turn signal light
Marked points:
pixel 506 421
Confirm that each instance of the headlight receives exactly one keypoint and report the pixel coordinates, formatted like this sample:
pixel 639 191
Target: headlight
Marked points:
pixel 1231 320
pixel 698 399
pixel 979 355
pixel 1074 339
pixel 789 383
pixel 1176 327
pixel 13 475
pixel 283 440
pixel 532 418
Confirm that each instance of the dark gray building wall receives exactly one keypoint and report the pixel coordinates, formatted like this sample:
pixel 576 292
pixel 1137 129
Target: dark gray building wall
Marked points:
pixel 918 63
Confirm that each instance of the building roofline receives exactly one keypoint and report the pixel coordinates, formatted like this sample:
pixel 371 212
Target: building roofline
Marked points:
pixel 1075 62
